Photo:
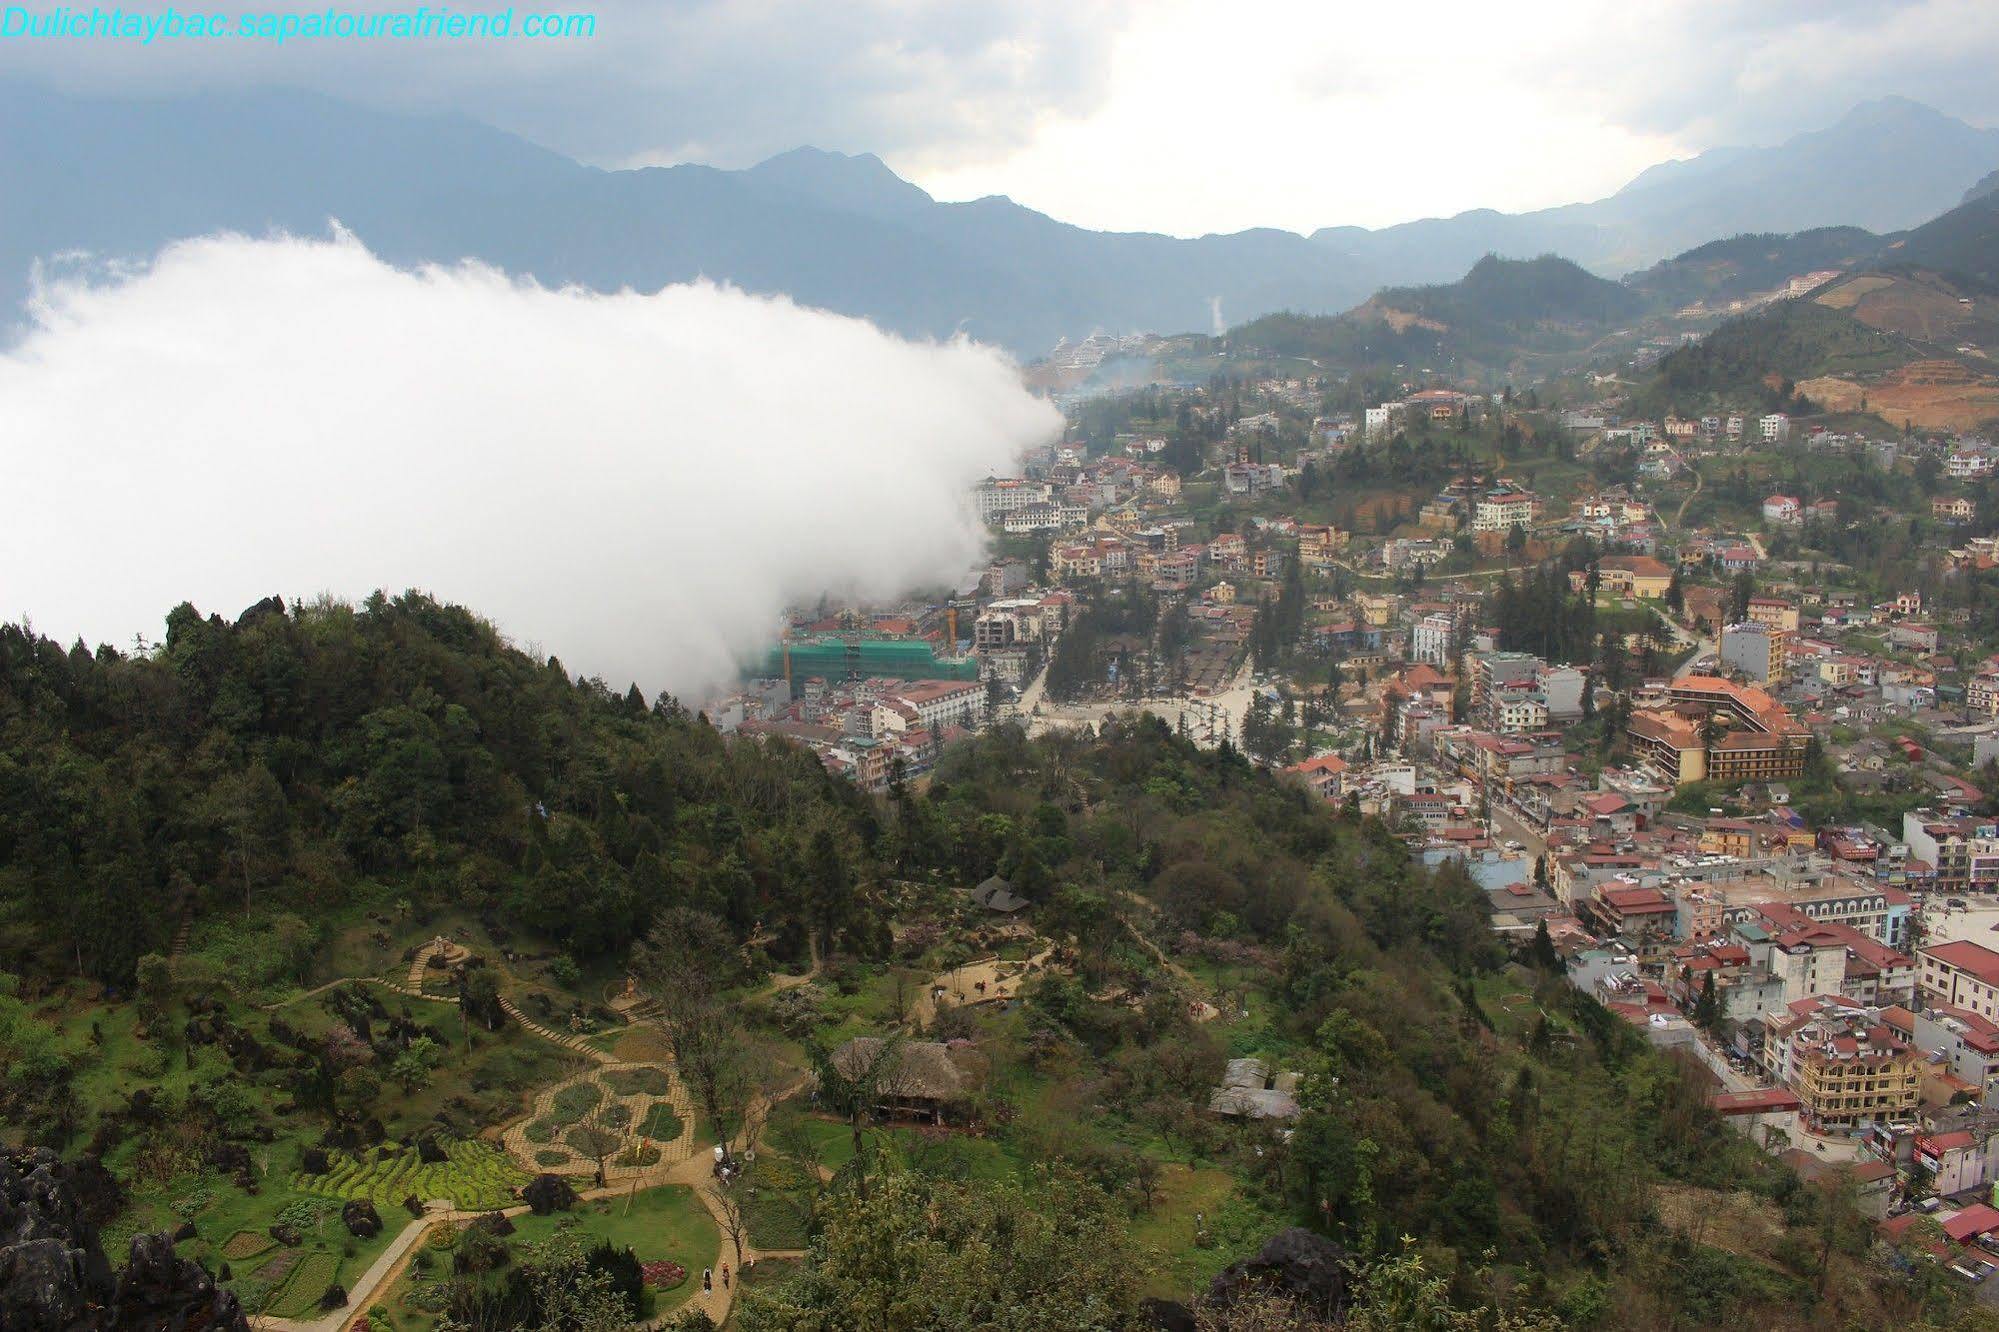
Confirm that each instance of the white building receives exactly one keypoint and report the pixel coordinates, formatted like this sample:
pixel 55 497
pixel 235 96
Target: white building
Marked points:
pixel 998 496
pixel 1502 511
pixel 1430 640
pixel 933 703
pixel 1775 426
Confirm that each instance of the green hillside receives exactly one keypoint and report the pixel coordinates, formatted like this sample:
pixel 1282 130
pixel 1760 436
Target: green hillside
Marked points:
pixel 1963 242
pixel 1464 1108
pixel 1742 266
pixel 1750 359
pixel 1500 312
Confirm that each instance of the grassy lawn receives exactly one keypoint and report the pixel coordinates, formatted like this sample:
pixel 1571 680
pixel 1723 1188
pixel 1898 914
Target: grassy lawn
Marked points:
pixel 947 1155
pixel 1507 996
pixel 1235 1227
pixel 664 1222
pixel 668 1222
pixel 774 1197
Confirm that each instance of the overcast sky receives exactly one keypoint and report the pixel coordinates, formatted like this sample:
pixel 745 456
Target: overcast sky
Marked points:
pixel 1174 115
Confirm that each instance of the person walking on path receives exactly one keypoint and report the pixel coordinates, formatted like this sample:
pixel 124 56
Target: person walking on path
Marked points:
pixel 725 1276
pixel 707 1281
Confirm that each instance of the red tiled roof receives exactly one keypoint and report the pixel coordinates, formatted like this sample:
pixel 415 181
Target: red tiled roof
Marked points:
pixel 1974 1220
pixel 1981 962
pixel 1948 1142
pixel 1770 1100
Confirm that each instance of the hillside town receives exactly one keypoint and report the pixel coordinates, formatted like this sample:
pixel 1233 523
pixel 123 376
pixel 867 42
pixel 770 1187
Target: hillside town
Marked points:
pixel 1687 730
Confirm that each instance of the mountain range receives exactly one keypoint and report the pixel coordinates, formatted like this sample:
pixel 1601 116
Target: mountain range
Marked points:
pixel 117 178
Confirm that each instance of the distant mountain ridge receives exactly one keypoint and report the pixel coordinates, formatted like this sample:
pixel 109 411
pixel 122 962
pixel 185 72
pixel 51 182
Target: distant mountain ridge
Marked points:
pixel 1909 333
pixel 120 178
pixel 1805 183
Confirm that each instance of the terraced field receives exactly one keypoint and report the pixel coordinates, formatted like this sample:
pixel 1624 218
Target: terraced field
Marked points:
pixel 473 1176
pixel 310 1276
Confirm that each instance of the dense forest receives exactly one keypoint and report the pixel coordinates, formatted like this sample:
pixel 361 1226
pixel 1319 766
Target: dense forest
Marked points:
pixel 1484 1145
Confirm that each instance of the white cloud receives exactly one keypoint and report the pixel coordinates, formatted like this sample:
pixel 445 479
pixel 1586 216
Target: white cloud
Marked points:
pixel 723 82
pixel 1299 114
pixel 637 483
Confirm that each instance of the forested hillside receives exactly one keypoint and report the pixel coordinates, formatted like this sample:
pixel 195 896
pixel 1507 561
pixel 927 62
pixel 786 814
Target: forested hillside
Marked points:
pixel 1499 316
pixel 1743 266
pixel 270 762
pixel 1759 357
pixel 1479 1140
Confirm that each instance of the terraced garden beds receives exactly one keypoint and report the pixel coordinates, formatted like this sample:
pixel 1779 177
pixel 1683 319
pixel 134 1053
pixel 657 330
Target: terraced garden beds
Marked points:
pixel 473 1176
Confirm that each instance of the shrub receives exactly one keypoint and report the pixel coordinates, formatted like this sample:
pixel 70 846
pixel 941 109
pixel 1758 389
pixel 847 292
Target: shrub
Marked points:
pixel 541 1130
pixel 479 1252
pixel 549 1193
pixel 549 1156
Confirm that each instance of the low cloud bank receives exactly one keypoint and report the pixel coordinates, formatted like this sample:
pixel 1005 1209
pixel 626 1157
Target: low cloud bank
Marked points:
pixel 637 483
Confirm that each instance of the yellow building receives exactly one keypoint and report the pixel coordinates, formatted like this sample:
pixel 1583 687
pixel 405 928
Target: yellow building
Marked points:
pixel 1670 743
pixel 1776 613
pixel 1757 741
pixel 1845 1064
pixel 1634 575
pixel 1850 1080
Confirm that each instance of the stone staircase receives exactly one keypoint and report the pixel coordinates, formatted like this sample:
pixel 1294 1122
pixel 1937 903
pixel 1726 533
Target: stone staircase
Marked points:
pixel 572 1040
pixel 178 948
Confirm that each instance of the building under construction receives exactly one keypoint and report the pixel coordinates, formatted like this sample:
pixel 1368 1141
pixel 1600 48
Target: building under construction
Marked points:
pixel 859 656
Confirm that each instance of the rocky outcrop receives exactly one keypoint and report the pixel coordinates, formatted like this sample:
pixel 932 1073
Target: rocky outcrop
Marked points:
pixel 1310 1269
pixel 53 1273
pixel 54 1276
pixel 361 1218
pixel 158 1292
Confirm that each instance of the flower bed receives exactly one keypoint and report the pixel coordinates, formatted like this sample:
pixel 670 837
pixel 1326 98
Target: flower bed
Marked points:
pixel 299 1297
pixel 662 1274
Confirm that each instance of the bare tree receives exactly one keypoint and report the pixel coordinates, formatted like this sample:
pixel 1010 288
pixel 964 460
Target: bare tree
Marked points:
pixel 597 1140
pixel 727 1208
pixel 684 963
